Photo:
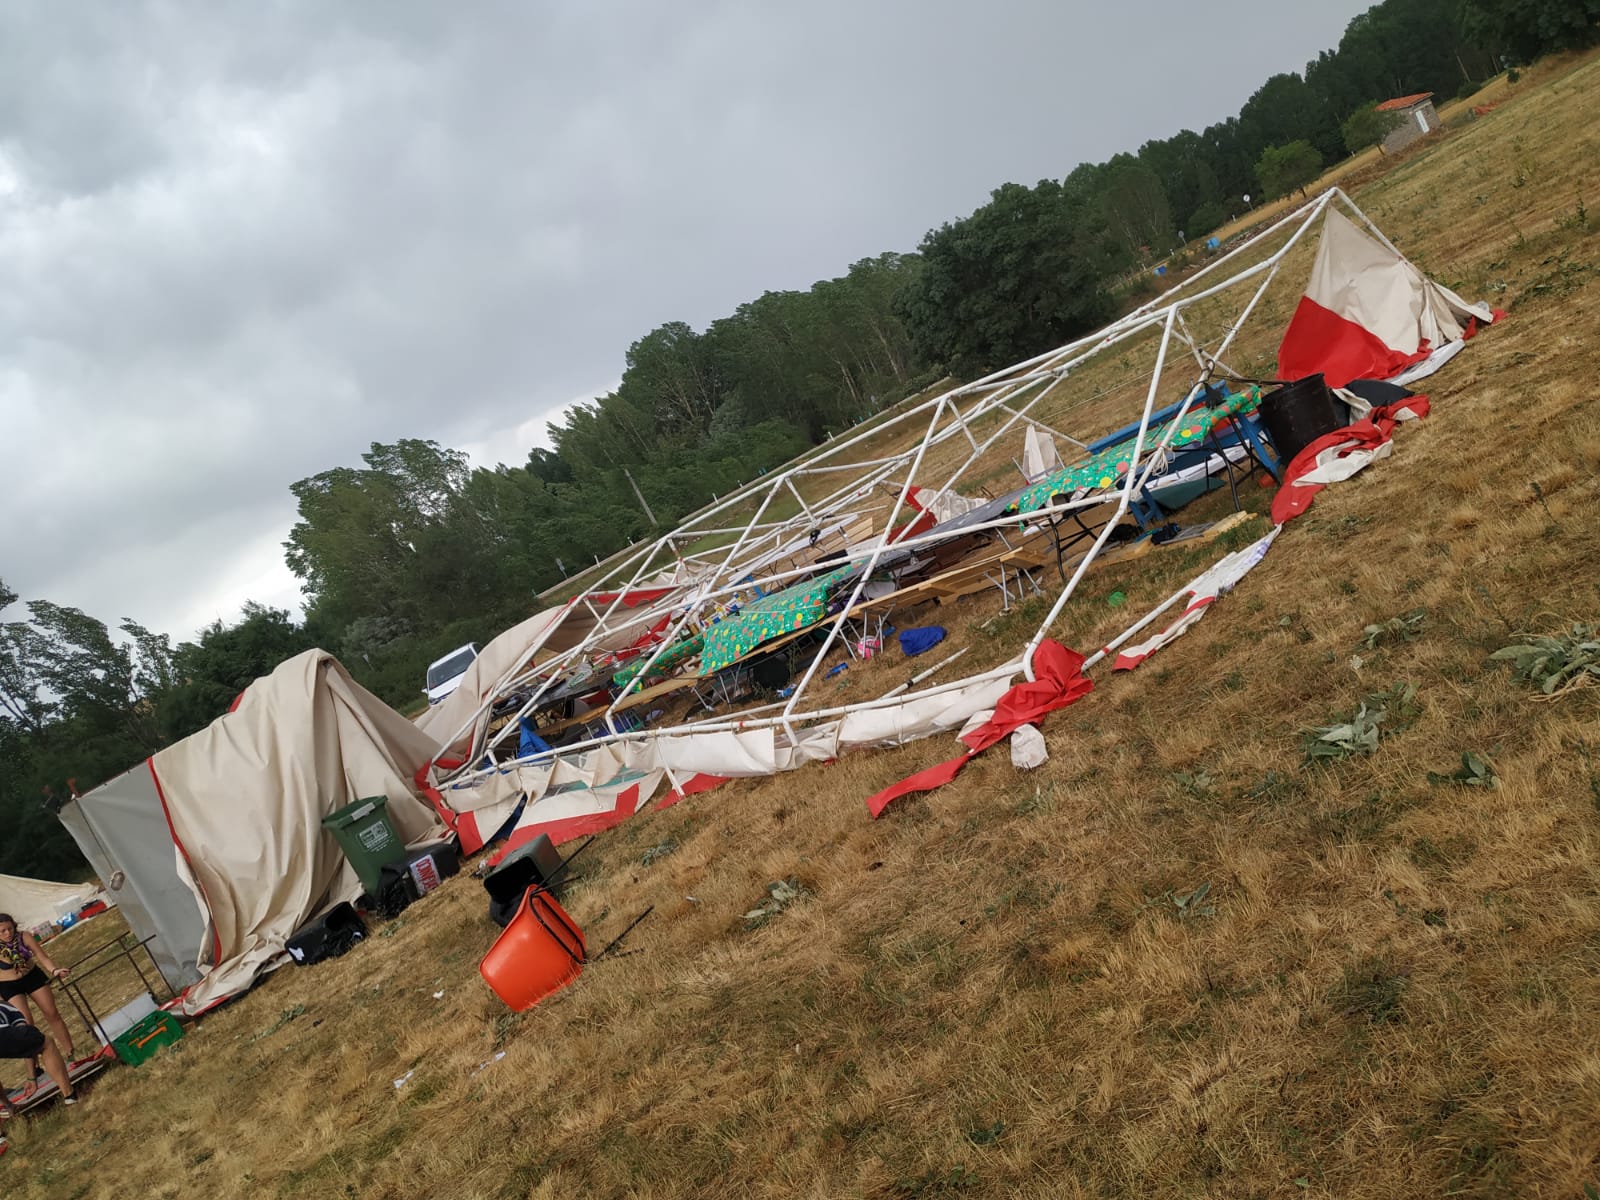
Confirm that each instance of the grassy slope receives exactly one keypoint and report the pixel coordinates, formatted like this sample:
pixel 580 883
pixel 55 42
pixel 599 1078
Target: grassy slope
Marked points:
pixel 990 991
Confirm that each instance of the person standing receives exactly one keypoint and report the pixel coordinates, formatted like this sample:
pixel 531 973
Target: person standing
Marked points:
pixel 23 967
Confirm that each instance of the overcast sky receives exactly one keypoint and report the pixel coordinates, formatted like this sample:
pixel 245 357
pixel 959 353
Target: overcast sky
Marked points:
pixel 241 242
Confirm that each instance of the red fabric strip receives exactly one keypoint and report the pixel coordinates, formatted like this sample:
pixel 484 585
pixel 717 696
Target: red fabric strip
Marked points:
pixel 1320 340
pixel 1059 681
pixel 446 814
pixel 699 783
pixel 1372 431
pixel 564 829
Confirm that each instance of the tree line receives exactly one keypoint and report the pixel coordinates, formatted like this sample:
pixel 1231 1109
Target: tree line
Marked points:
pixel 413 552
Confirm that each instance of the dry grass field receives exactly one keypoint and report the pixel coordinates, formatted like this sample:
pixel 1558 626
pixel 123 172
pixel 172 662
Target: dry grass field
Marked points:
pixel 1389 987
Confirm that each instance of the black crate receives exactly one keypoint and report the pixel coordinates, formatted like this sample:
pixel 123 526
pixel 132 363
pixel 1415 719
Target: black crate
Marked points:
pixel 331 935
pixel 414 876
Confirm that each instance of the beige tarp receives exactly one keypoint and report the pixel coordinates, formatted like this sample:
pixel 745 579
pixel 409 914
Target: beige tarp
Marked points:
pixel 246 797
pixel 465 712
pixel 501 660
pixel 35 902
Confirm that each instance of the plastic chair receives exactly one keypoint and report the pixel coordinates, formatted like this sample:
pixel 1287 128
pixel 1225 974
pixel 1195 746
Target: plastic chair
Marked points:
pixel 540 951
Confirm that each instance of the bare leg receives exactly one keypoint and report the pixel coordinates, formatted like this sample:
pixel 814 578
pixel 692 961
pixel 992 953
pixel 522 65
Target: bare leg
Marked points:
pixel 56 1067
pixel 46 1001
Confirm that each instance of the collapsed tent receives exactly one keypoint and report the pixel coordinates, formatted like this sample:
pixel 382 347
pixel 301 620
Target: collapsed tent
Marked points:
pixel 1367 313
pixel 584 741
pixel 244 861
pixel 456 724
pixel 35 902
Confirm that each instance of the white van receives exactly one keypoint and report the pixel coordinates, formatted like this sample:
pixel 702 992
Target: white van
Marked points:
pixel 444 674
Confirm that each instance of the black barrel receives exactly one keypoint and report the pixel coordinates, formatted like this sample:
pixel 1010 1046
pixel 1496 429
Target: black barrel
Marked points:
pixel 1298 413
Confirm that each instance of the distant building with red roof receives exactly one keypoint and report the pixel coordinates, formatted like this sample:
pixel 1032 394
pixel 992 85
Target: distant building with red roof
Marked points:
pixel 1417 119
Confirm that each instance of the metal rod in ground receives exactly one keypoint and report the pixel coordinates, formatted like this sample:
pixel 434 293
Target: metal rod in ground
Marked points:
pixel 614 942
pixel 567 861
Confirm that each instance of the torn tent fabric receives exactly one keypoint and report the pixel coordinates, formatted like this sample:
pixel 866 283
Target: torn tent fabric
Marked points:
pixel 1220 577
pixel 575 810
pixel 1367 313
pixel 1059 681
pixel 1338 455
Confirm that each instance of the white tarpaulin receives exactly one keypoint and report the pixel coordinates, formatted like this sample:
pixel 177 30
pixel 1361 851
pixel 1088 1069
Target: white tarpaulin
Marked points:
pixel 1039 454
pixel 574 795
pixel 34 902
pixel 123 832
pixel 1220 577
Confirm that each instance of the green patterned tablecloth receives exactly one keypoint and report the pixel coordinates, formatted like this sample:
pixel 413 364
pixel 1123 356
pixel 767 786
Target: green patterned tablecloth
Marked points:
pixel 671 657
pixel 731 638
pixel 1108 468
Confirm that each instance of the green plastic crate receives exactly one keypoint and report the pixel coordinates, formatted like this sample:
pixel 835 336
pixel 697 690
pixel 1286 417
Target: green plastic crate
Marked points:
pixel 141 1043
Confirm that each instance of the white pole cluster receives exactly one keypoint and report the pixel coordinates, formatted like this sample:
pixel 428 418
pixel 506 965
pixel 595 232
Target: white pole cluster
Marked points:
pixel 758 546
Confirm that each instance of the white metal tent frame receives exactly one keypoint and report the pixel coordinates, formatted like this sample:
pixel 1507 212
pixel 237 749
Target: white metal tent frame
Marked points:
pixel 719 574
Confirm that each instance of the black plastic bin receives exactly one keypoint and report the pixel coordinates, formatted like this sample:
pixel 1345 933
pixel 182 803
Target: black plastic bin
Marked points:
pixel 340 928
pixel 536 863
pixel 1298 413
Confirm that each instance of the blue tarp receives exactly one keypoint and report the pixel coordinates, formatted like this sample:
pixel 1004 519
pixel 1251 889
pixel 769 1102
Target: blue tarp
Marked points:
pixel 915 641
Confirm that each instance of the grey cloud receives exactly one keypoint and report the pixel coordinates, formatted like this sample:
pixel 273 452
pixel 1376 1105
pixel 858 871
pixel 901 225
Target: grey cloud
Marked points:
pixel 243 241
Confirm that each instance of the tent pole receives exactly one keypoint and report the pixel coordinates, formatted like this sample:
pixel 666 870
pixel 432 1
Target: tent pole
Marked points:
pixel 1122 502
pixel 861 580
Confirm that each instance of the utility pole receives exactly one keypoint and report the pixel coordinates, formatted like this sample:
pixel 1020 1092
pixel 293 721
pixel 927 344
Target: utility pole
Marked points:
pixel 642 502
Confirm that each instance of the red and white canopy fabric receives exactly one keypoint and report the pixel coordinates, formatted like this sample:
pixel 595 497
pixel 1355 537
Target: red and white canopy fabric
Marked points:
pixel 1367 313
pixel 1335 457
pixel 1218 578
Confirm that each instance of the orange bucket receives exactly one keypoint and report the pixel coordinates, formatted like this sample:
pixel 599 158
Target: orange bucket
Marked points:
pixel 539 952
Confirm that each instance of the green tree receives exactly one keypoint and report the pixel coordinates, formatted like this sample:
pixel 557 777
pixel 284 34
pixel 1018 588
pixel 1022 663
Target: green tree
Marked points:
pixel 1007 282
pixel 1183 165
pixel 1135 207
pixel 1204 219
pixel 1283 169
pixel 1285 110
pixel 1525 29
pixel 221 662
pixel 77 703
pixel 1367 126
pixel 380 540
